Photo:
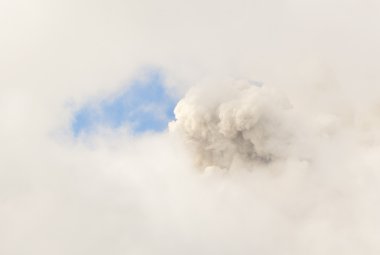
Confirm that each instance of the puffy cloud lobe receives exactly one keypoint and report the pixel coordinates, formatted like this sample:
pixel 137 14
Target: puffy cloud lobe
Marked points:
pixel 244 123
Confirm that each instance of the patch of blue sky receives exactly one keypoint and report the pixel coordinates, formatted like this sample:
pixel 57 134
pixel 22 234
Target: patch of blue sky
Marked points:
pixel 144 106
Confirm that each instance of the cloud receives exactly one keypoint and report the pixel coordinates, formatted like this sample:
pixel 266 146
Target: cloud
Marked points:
pixel 241 122
pixel 117 193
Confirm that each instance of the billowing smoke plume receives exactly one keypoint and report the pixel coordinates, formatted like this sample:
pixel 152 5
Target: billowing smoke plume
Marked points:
pixel 235 123
pixel 312 172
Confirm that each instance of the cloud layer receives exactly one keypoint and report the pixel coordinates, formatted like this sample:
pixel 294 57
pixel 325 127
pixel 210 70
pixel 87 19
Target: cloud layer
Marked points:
pixel 301 150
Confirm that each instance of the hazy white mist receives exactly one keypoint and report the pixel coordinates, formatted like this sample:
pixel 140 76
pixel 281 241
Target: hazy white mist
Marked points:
pixel 274 150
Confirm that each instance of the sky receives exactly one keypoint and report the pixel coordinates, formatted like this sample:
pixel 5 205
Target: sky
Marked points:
pixel 189 127
pixel 143 106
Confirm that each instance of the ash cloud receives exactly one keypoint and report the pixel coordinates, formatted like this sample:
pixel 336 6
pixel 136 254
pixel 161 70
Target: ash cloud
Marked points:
pixel 312 174
pixel 234 123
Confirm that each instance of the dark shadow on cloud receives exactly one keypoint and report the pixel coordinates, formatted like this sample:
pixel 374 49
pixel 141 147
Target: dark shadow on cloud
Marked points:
pixel 144 106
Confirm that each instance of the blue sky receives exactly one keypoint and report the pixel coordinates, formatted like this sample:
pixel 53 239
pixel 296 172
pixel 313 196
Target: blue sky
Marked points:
pixel 143 106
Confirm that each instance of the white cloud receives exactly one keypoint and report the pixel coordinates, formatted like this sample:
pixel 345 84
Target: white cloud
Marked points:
pixel 114 194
